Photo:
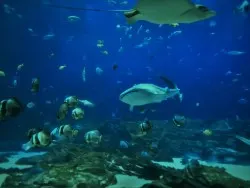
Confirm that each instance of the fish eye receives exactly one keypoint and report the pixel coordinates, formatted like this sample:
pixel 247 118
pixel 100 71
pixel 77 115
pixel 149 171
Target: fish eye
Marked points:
pixel 203 8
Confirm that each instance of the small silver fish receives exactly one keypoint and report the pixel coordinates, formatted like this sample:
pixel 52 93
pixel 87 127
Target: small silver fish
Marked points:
pixel 49 36
pixel 235 53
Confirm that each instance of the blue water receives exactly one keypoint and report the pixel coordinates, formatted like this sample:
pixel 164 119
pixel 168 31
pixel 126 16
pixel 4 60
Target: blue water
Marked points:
pixel 195 62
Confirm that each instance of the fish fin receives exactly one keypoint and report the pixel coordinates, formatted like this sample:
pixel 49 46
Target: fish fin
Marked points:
pixel 132 16
pixel 169 83
pixel 27 146
pixel 174 24
pixel 131 108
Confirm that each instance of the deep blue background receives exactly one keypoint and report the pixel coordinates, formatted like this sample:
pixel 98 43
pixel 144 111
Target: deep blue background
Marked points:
pixel 200 77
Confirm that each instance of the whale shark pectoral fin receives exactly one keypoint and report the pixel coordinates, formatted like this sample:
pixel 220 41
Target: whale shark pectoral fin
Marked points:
pixel 131 108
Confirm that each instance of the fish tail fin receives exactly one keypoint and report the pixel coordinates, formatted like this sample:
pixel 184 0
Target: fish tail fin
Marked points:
pixel 131 16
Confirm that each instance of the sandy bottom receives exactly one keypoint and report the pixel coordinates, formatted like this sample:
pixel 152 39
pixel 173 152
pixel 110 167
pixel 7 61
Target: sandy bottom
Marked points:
pixel 13 159
pixel 128 181
pixel 238 171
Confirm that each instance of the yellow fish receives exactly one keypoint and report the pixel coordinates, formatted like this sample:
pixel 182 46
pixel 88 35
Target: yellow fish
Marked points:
pixel 208 132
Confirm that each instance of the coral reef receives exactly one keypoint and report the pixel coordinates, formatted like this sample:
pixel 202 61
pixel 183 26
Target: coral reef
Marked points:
pixel 81 166
pixel 77 166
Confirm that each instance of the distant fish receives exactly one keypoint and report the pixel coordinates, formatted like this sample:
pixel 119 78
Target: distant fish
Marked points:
pixel 48 102
pixel 227 151
pixel 73 19
pixel 145 154
pixel 62 67
pixel 49 36
pixel 243 139
pixel 14 82
pixel 242 101
pixel 98 71
pixel 244 7
pixel 86 103
pixel 30 105
pixel 19 67
pixel 84 74
pixel 175 33
pixel 32 33
pixel 228 73
pixel 8 9
pixel 35 85
pixel 124 144
pixel 207 132
pixel 235 53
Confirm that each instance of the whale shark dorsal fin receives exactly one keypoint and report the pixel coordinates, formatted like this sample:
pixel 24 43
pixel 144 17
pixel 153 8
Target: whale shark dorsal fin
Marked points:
pixel 169 83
